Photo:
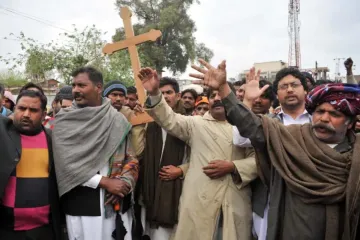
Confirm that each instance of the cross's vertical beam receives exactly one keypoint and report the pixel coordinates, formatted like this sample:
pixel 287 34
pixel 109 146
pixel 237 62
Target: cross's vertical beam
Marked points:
pixel 125 14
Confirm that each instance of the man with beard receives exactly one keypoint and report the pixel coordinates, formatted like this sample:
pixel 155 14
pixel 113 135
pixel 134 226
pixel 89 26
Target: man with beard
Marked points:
pixel 95 165
pixel 215 201
pixel 312 171
pixel 116 92
pixel 132 97
pixel 291 89
pixel 164 155
pixel 290 86
pixel 262 104
pixel 189 97
pixel 29 200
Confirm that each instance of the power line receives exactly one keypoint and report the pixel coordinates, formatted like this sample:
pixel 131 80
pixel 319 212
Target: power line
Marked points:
pixel 43 21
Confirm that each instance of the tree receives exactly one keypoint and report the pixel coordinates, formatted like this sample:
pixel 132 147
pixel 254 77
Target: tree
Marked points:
pixel 73 50
pixel 12 79
pixel 177 46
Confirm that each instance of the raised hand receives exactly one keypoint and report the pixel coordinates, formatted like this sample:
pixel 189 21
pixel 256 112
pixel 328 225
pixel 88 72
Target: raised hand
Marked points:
pixel 252 90
pixel 348 64
pixel 150 80
pixel 211 76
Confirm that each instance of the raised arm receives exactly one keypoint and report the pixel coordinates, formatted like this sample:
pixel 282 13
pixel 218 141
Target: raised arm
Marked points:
pixel 349 73
pixel 175 124
pixel 238 114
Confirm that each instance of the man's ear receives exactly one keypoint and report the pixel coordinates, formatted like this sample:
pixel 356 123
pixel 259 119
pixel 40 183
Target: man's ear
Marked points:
pixel 43 115
pixel 100 88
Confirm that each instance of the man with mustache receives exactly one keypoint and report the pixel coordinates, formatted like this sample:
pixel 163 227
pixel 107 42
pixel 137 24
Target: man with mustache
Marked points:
pixel 116 92
pixel 312 171
pixel 29 200
pixel 95 164
pixel 295 84
pixel 215 201
pixel 189 96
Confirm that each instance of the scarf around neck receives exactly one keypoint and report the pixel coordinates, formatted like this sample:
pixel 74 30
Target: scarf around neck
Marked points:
pixel 161 198
pixel 315 172
pixel 84 140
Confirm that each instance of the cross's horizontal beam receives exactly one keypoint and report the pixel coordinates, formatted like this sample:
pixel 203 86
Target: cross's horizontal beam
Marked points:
pixel 152 35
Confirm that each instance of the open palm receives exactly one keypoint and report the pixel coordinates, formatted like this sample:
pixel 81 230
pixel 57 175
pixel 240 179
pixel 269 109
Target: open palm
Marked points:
pixel 211 76
pixel 149 79
pixel 252 89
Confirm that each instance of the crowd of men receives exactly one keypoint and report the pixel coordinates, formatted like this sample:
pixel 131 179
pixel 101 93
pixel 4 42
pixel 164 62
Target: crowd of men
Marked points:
pixel 249 160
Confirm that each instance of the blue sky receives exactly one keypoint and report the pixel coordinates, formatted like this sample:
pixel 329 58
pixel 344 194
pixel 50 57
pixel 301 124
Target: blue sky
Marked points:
pixel 242 32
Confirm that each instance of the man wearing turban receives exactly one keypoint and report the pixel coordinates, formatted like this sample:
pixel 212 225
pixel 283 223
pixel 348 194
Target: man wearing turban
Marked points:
pixel 312 171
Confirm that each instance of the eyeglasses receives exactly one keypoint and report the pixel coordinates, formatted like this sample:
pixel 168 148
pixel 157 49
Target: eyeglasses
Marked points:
pixel 202 108
pixel 293 85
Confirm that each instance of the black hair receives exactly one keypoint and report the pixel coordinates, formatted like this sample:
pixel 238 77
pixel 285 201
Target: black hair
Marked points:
pixel 94 75
pixel 321 82
pixel 239 83
pixel 2 89
pixel 275 103
pixel 209 92
pixel 191 91
pixel 310 77
pixel 269 93
pixel 33 94
pixel 290 71
pixel 31 85
pixel 170 81
pixel 132 90
pixel 57 98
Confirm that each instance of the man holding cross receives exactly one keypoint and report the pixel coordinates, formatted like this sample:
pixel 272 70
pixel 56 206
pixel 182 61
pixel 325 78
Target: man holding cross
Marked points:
pixel 216 196
pixel 312 171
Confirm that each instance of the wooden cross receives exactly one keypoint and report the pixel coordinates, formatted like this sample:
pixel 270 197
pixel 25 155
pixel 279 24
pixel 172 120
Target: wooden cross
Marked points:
pixel 130 43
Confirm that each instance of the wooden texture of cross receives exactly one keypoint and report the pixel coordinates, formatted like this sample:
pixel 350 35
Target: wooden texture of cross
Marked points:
pixel 130 43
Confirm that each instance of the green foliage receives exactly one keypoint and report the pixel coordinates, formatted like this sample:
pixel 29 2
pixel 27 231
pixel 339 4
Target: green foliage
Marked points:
pixel 177 46
pixel 71 51
pixel 12 79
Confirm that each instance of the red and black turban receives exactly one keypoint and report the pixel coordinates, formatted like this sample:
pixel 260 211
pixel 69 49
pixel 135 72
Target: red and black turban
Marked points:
pixel 343 97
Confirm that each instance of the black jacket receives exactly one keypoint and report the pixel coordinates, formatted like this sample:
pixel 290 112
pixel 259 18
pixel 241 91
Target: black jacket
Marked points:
pixel 10 154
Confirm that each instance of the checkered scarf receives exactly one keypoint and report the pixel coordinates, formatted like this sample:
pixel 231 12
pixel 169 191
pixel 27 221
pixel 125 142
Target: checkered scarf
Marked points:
pixel 343 97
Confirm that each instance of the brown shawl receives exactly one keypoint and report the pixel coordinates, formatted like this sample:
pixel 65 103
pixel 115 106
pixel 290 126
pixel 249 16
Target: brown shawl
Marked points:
pixel 315 172
pixel 161 198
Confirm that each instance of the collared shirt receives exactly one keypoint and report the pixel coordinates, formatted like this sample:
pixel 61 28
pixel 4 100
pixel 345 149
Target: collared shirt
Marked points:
pixel 303 118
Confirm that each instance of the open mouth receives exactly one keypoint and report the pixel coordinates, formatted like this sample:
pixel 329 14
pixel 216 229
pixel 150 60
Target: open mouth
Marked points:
pixel 322 130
